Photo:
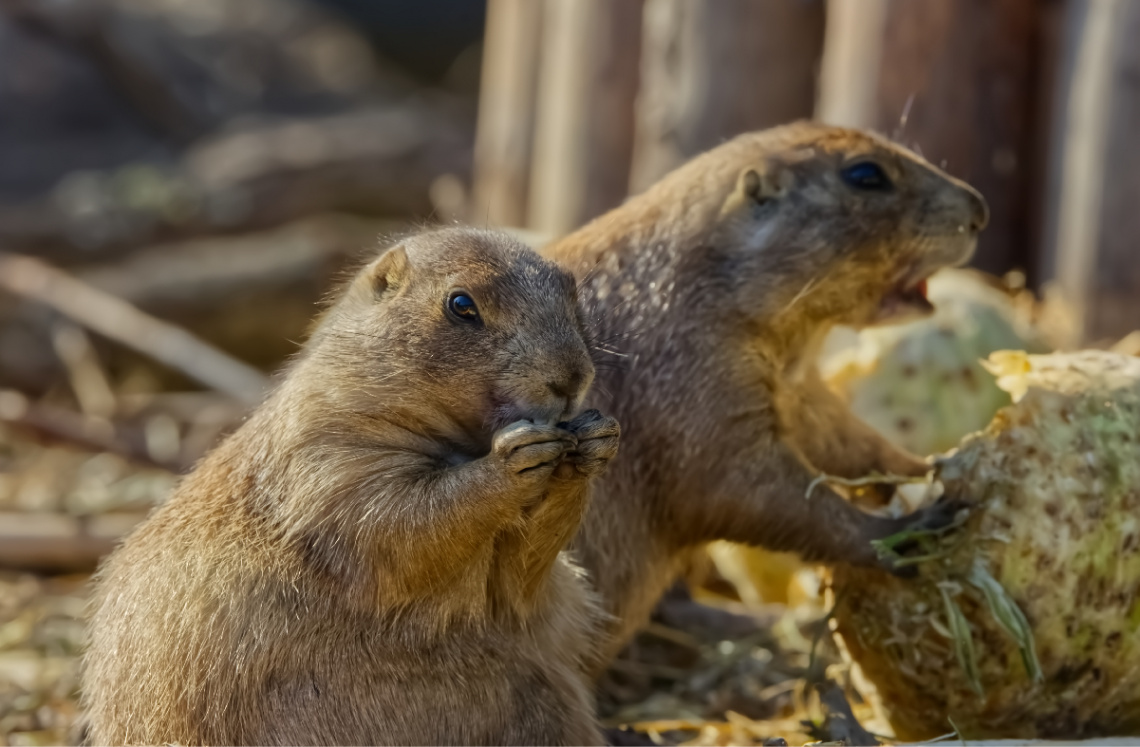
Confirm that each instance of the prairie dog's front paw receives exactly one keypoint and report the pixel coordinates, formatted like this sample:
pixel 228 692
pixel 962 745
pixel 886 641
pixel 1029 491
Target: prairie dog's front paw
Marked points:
pixel 531 450
pixel 598 438
pixel 915 535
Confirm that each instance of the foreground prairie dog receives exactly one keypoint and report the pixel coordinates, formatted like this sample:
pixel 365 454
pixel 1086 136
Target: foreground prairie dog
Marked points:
pixel 714 291
pixel 374 556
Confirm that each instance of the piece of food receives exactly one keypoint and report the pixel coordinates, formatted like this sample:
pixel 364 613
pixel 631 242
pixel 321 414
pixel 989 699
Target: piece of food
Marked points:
pixel 1025 622
pixel 920 384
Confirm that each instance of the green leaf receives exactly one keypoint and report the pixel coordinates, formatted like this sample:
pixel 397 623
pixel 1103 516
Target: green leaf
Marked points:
pixel 963 642
pixel 1009 616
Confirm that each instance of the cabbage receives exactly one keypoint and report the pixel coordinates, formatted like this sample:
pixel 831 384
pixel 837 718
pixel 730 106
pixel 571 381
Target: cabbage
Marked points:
pixel 920 384
pixel 1025 621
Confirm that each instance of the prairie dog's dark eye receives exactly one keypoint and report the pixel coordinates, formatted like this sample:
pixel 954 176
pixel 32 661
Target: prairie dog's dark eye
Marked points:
pixel 866 175
pixel 461 306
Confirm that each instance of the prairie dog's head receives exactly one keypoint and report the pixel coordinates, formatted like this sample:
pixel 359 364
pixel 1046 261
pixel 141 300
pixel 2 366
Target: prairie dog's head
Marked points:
pixel 464 327
pixel 852 224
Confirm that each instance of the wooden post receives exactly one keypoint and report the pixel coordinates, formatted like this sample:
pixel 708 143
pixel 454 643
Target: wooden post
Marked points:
pixel 587 86
pixel 1052 15
pixel 505 131
pixel 1092 232
pixel 715 68
pixel 955 81
pixel 849 68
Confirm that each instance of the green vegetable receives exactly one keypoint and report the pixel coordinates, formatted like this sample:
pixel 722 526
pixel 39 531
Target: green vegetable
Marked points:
pixel 921 384
pixel 1041 635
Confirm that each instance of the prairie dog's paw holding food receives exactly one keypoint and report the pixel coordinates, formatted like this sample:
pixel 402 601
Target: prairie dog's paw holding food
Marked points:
pixel 530 450
pixel 940 516
pixel 914 535
pixel 597 443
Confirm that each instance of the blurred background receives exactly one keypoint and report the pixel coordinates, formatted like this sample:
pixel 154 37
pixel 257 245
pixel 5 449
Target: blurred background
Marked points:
pixel 181 181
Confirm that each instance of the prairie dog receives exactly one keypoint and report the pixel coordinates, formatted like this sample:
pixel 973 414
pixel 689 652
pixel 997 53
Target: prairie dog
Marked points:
pixel 714 290
pixel 374 556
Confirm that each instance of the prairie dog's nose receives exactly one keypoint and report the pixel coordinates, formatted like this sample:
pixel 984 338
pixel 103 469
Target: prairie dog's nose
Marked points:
pixel 568 388
pixel 979 210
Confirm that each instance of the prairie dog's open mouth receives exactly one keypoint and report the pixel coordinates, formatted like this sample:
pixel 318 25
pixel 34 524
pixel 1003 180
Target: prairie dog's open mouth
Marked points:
pixel 903 301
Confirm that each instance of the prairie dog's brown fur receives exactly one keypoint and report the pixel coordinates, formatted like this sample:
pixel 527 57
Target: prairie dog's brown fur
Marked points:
pixel 374 556
pixel 713 291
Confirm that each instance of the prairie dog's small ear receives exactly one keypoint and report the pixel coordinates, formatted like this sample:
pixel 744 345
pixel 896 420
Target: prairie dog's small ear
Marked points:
pixel 767 184
pixel 389 271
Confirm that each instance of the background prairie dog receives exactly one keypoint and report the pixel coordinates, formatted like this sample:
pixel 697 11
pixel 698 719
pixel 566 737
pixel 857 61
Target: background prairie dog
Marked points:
pixel 714 290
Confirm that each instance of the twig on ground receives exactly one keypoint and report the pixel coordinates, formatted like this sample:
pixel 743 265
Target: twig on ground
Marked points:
pixel 89 383
pixel 50 542
pixel 78 429
pixel 120 321
pixel 839 722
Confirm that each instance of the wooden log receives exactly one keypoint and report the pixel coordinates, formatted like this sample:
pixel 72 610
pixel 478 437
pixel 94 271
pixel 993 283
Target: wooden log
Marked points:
pixel 85 431
pixel 711 70
pixel 118 320
pixel 259 173
pixel 504 137
pixel 1050 33
pixel 591 52
pixel 954 79
pixel 193 276
pixel 54 543
pixel 1092 226
pixel 378 160
pixel 253 295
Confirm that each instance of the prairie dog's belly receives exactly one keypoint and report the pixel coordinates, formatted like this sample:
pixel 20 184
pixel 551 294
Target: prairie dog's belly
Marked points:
pixel 471 687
